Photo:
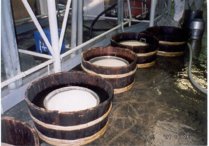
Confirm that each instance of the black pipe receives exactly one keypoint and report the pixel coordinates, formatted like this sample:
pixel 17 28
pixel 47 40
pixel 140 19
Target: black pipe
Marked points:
pixel 95 20
pixel 111 7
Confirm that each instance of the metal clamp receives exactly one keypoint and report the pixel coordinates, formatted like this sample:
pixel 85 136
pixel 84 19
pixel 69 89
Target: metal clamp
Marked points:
pixel 143 40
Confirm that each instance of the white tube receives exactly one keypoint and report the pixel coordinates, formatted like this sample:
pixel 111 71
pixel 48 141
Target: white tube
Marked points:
pixel 74 25
pixel 80 22
pixel 141 14
pixel 24 74
pixel 54 34
pixel 93 39
pixel 38 26
pixel 114 18
pixel 35 54
pixel 38 16
pixel 129 11
pixel 152 12
pixel 29 18
pixel 64 23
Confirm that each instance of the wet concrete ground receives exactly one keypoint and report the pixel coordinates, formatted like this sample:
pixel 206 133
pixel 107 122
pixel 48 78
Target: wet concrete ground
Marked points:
pixel 160 109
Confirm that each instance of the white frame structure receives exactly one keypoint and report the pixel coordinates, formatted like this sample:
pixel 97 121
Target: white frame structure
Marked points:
pixel 65 61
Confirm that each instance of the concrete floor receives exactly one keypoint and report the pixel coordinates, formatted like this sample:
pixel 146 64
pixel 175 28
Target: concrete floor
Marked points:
pixel 162 108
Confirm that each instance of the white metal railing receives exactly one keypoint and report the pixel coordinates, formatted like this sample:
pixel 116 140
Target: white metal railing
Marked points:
pixel 54 52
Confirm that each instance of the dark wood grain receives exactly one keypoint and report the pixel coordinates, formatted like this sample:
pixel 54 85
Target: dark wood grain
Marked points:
pixel 16 132
pixel 126 54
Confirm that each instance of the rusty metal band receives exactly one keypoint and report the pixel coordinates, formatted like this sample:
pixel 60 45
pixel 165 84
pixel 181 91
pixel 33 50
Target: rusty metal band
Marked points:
pixel 146 54
pixel 120 90
pixel 81 141
pixel 172 43
pixel 71 128
pixel 109 76
pixel 146 64
pixel 169 54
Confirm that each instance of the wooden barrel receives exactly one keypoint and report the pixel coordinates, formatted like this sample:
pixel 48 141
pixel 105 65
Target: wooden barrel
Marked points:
pixel 172 40
pixel 16 132
pixel 121 78
pixel 146 54
pixel 69 128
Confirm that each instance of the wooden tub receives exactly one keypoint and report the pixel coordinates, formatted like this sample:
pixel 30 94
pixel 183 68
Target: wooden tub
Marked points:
pixel 172 40
pixel 146 54
pixel 121 78
pixel 16 132
pixel 69 128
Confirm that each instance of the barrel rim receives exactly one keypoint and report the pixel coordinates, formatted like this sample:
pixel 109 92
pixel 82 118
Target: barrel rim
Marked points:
pixel 66 112
pixel 136 34
pixel 182 31
pixel 33 131
pixel 130 65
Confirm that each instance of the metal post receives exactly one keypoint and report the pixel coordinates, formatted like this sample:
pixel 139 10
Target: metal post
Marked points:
pixel 38 26
pixel 74 25
pixel 120 12
pixel 129 11
pixel 54 34
pixel 64 23
pixel 43 6
pixel 6 54
pixel 152 13
pixel 9 44
pixel 80 23
pixel 169 6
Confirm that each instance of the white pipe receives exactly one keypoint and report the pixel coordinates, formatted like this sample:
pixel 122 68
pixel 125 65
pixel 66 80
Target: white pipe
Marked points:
pixel 64 23
pixel 29 18
pixel 80 22
pixel 141 14
pixel 38 26
pixel 93 39
pixel 38 16
pixel 129 11
pixel 24 74
pixel 35 54
pixel 152 12
pixel 54 34
pixel 74 26
pixel 114 18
